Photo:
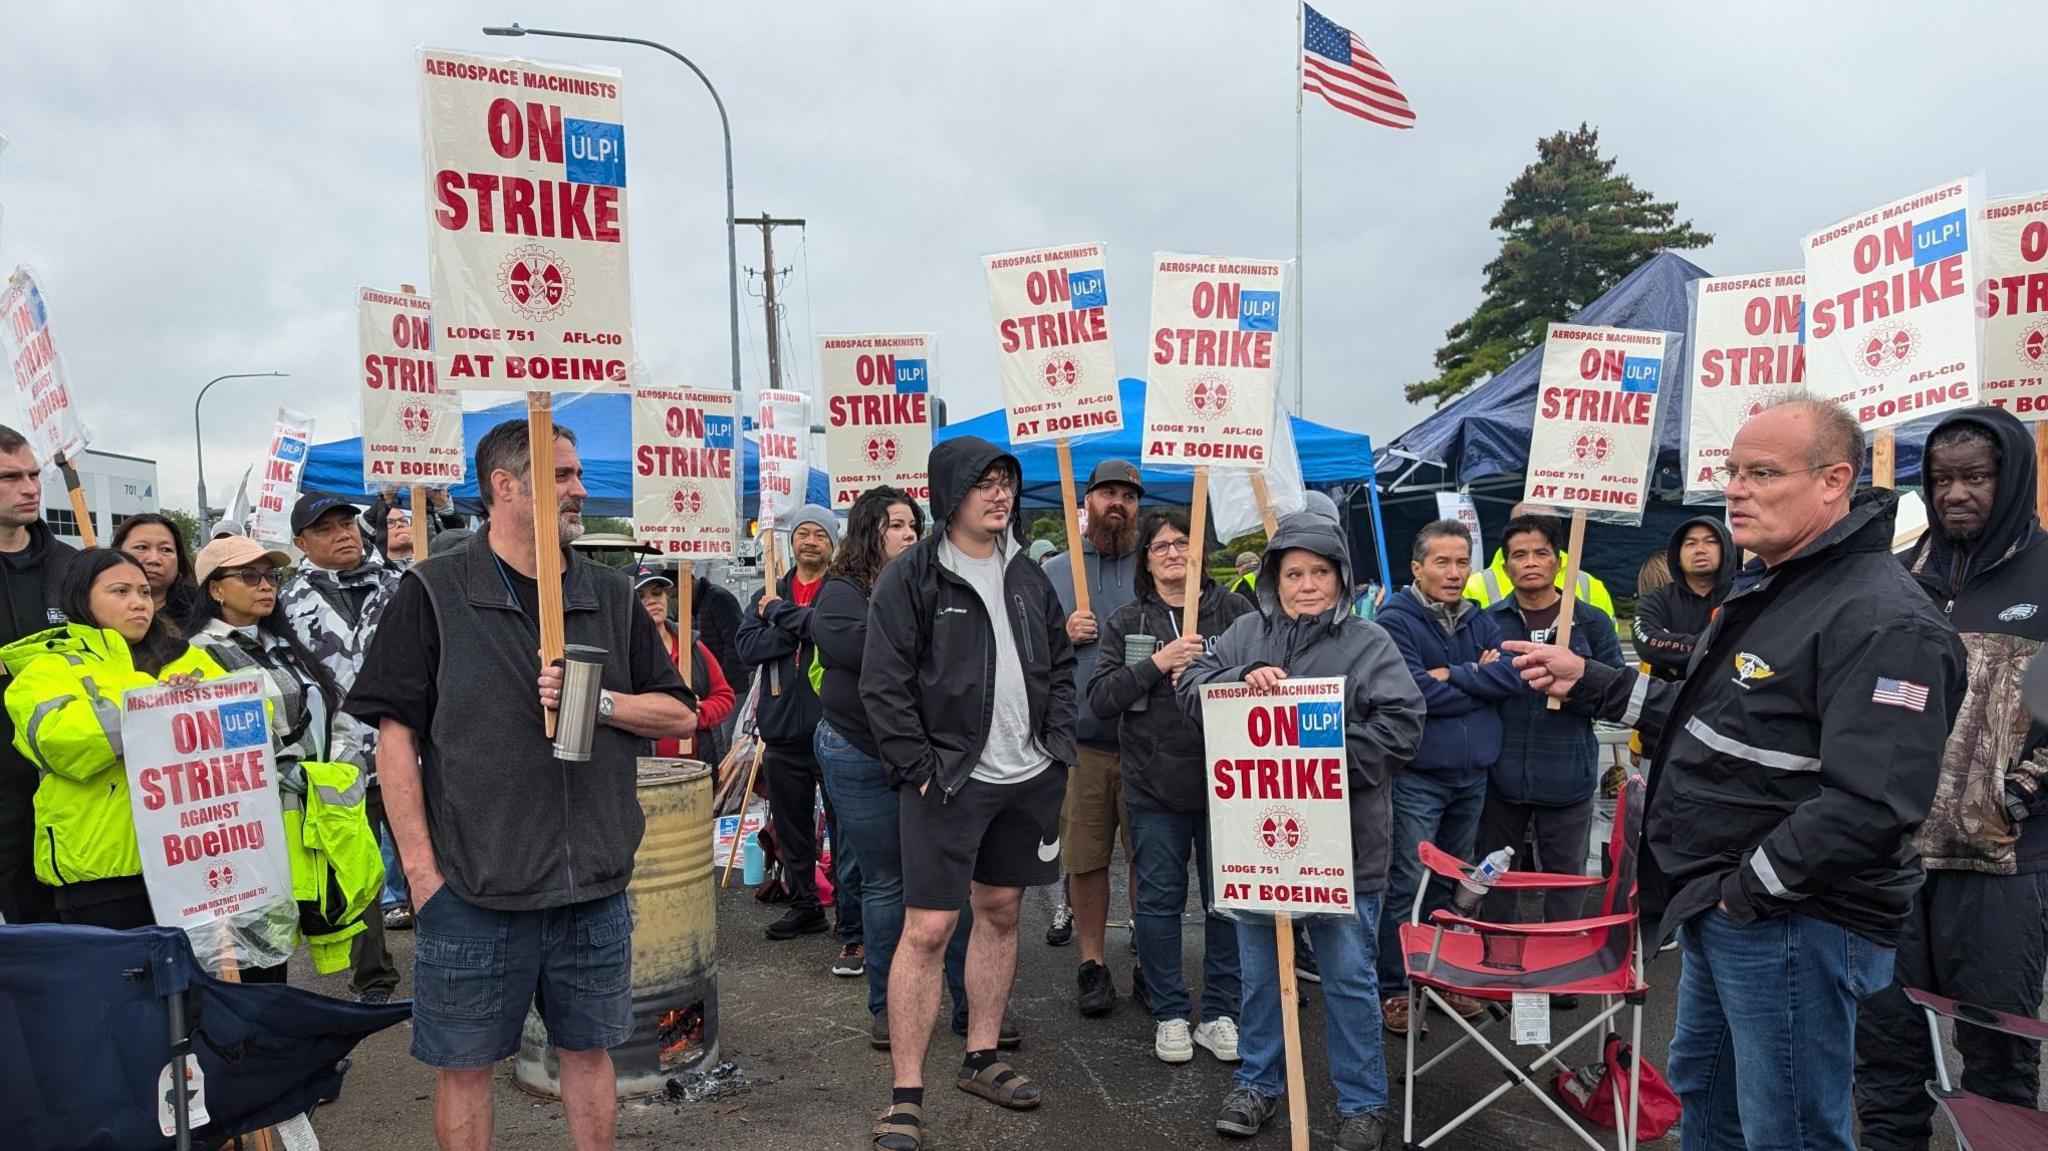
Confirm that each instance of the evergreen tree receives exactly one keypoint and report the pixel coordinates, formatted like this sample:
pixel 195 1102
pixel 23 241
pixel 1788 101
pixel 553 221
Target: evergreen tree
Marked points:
pixel 1572 228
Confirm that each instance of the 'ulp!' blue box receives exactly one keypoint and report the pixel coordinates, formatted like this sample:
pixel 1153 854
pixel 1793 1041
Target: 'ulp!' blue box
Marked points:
pixel 718 433
pixel 912 376
pixel 1641 374
pixel 597 152
pixel 1087 289
pixel 1940 238
pixel 241 724
pixel 1322 724
pixel 1258 311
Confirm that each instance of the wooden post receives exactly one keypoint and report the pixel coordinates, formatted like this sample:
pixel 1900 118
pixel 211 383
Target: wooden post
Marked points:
pixel 746 801
pixel 420 529
pixel 86 533
pixel 547 533
pixel 686 639
pixel 1198 522
pixel 1290 1020
pixel 1563 638
pixel 1884 459
pixel 770 577
pixel 1070 503
pixel 1265 497
pixel 2040 470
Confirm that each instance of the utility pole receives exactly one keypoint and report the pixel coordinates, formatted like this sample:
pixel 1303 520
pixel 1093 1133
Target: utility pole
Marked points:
pixel 768 224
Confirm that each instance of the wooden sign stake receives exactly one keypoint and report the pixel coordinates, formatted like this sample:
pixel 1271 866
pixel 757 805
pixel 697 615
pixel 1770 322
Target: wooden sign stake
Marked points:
pixel 1290 1019
pixel 420 531
pixel 1884 459
pixel 86 534
pixel 547 534
pixel 1571 588
pixel 1070 503
pixel 1265 497
pixel 2040 469
pixel 1198 521
pixel 686 639
pixel 769 563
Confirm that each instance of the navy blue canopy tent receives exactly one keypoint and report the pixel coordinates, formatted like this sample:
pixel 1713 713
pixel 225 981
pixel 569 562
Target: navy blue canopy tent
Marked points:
pixel 604 432
pixel 1330 457
pixel 1484 434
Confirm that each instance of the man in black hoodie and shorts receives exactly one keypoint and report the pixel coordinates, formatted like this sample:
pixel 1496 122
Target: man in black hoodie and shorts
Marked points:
pixel 969 681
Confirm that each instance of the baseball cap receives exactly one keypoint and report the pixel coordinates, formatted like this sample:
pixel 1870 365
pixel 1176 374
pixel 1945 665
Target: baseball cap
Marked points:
pixel 644 575
pixel 1115 472
pixel 233 552
pixel 311 507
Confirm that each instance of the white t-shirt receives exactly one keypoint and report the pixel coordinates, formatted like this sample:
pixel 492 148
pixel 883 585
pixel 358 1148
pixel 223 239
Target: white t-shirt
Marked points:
pixel 1012 753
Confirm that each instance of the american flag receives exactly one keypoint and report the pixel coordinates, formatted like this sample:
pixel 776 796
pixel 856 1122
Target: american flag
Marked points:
pixel 1900 693
pixel 1337 66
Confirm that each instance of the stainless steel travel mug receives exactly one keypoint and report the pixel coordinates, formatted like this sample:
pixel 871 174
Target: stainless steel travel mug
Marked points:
pixel 576 721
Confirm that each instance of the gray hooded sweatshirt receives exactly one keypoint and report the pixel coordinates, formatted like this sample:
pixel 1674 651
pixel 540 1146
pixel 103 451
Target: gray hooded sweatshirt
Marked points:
pixel 1384 709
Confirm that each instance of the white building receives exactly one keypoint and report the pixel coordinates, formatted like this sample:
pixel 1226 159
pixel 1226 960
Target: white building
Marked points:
pixel 115 488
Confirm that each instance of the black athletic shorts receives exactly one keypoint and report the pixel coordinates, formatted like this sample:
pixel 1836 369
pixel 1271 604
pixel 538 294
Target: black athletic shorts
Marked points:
pixel 994 834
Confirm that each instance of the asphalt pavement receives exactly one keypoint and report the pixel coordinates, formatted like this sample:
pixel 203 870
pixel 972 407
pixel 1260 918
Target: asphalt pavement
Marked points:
pixel 799 1037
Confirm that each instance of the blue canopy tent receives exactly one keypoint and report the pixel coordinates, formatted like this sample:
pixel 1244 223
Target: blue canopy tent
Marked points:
pixel 603 424
pixel 1330 458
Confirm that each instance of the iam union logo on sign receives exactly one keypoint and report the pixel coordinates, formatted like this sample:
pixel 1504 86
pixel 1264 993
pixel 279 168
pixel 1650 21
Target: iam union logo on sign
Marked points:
pixel 1281 832
pixel 535 282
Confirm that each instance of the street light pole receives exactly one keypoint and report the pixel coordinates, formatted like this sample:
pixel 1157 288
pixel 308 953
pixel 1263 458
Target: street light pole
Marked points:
pixel 732 251
pixel 199 444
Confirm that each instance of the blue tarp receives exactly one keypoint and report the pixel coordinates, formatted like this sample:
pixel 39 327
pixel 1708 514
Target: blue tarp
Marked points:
pixel 1329 456
pixel 604 429
pixel 1485 432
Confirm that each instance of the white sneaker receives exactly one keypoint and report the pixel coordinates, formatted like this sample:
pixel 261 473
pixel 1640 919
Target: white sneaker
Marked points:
pixel 1220 1037
pixel 1171 1042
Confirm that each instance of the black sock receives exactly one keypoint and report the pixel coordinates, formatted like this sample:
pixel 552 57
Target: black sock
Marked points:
pixel 911 1095
pixel 978 1061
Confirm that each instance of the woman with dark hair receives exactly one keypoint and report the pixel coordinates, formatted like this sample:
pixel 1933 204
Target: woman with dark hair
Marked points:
pixel 1143 655
pixel 65 694
pixel 239 622
pixel 883 524
pixel 158 545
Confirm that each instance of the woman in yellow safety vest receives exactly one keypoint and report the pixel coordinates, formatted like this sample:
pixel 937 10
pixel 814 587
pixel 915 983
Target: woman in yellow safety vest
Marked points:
pixel 64 695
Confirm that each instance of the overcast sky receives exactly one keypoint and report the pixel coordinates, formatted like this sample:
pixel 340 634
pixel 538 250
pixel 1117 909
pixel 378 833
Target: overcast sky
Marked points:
pixel 203 187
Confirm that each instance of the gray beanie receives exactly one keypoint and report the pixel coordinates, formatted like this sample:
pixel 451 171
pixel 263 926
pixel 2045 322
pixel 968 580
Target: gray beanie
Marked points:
pixel 813 514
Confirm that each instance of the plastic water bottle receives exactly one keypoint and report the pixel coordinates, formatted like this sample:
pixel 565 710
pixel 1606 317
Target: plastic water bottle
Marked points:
pixel 1474 887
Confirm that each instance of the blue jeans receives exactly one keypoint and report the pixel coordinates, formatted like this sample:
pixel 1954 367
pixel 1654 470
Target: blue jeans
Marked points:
pixel 1764 1052
pixel 859 786
pixel 1344 954
pixel 476 971
pixel 1425 808
pixel 1160 842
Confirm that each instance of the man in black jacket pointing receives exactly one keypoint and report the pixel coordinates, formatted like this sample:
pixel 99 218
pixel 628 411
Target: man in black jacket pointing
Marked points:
pixel 969 682
pixel 1792 768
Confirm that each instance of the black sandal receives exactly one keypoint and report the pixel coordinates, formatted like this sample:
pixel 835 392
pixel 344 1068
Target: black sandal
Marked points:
pixel 901 1128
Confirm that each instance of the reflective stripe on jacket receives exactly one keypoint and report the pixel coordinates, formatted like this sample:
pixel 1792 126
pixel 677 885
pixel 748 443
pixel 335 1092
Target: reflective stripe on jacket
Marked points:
pixel 1490 585
pixel 64 696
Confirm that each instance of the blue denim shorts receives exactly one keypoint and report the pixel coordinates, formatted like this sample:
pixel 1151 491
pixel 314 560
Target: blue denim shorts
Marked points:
pixel 476 971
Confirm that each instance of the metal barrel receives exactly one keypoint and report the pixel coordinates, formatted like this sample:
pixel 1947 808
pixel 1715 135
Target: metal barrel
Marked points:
pixel 675 943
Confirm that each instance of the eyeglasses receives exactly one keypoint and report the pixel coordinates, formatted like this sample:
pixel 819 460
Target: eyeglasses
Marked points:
pixel 991 486
pixel 1758 476
pixel 251 577
pixel 1170 547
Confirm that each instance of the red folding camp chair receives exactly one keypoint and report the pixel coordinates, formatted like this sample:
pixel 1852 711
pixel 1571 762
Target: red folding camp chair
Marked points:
pixel 1981 1124
pixel 1600 956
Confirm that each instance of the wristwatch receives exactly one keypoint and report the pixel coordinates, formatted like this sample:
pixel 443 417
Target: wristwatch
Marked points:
pixel 605 705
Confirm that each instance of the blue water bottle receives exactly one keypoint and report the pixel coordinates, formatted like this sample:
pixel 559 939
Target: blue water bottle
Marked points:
pixel 753 865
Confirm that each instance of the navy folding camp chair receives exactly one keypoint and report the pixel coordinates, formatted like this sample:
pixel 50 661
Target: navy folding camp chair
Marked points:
pixel 1600 955
pixel 1981 1124
pixel 89 1019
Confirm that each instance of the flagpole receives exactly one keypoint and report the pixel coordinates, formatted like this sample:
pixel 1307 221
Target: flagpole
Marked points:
pixel 1300 63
